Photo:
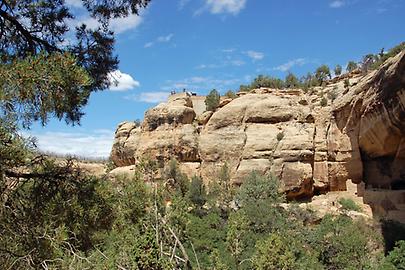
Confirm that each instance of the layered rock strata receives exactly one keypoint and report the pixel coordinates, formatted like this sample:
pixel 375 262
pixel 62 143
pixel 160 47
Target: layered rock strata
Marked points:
pixel 358 136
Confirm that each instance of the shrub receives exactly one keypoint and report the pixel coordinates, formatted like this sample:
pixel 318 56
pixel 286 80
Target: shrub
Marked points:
pixel 267 81
pixel 346 244
pixel 196 192
pixel 244 88
pixel 322 74
pixel 230 94
pixel 332 95
pixel 280 135
pixel 281 250
pixel 338 70
pixel 396 257
pixel 291 81
pixel 212 100
pixel 351 66
pixel 349 205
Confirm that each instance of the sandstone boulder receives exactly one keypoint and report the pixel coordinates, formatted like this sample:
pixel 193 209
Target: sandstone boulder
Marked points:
pixel 312 149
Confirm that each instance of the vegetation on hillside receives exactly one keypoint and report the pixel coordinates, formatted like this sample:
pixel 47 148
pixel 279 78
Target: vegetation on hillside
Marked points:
pixel 322 73
pixel 63 219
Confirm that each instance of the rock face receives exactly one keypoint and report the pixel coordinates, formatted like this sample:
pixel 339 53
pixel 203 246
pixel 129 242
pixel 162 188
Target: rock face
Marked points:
pixel 311 148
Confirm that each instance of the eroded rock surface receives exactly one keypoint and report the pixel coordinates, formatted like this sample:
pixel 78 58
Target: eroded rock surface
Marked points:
pixel 312 148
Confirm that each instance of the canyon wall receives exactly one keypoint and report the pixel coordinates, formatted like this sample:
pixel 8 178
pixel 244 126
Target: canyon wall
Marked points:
pixel 312 148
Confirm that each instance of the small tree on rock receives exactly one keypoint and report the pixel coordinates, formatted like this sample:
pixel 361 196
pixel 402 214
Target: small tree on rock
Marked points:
pixel 322 74
pixel 338 70
pixel 291 81
pixel 351 66
pixel 212 100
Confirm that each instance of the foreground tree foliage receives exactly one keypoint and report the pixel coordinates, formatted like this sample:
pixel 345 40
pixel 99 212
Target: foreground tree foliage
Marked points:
pixel 60 218
pixel 54 216
pixel 48 69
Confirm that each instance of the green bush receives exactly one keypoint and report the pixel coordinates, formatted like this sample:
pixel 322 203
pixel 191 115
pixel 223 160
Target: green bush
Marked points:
pixel 349 205
pixel 396 257
pixel 230 94
pixel 212 100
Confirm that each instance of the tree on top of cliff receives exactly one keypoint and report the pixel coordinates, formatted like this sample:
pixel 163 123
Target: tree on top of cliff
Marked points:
pixel 338 70
pixel 322 74
pixel 351 66
pixel 291 81
pixel 212 100
pixel 48 69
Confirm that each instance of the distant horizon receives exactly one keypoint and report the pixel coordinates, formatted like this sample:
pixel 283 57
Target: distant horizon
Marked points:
pixel 201 45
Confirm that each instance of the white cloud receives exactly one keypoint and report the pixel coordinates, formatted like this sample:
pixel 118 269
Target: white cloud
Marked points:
pixel 161 39
pixel 255 55
pixel 183 3
pixel 118 25
pixel 150 97
pixel 122 81
pixel 337 4
pixel 95 144
pixel 148 45
pixel 121 25
pixel 197 83
pixel 230 50
pixel 165 38
pixel 225 6
pixel 287 66
pixel 237 63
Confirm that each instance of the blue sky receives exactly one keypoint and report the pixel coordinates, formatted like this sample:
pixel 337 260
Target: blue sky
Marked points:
pixel 206 44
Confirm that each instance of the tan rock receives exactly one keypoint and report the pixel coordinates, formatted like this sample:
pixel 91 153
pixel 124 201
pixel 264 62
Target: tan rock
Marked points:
pixel 358 137
pixel 296 179
pixel 224 102
pixel 203 118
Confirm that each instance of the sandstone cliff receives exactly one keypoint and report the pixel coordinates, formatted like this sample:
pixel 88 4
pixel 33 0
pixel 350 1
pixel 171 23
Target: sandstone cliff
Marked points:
pixel 358 136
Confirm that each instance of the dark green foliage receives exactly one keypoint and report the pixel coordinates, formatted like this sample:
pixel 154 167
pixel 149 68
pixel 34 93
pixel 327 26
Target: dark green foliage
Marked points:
pixel 196 192
pixel 351 66
pixel 212 100
pixel 36 63
pixel 63 94
pixel 349 204
pixel 207 234
pixel 382 57
pixel 175 178
pixel 259 197
pixel 368 61
pixel 291 81
pixel 55 202
pixel 322 74
pixel 396 257
pixel 244 88
pixel 230 94
pixel 309 81
pixel 281 251
pixel 338 70
pixel 267 81
pixel 346 244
